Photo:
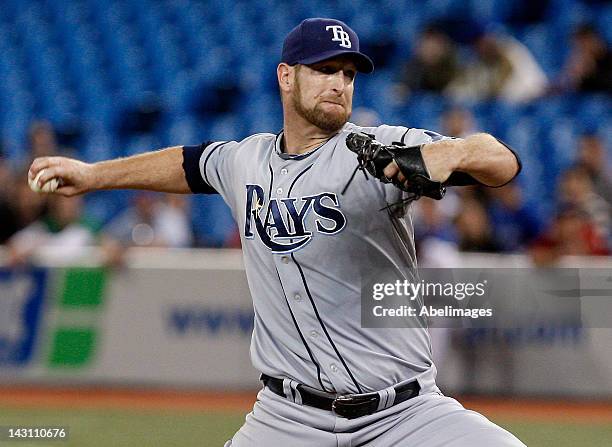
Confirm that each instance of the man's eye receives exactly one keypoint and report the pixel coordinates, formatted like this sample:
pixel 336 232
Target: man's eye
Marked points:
pixel 350 74
pixel 327 70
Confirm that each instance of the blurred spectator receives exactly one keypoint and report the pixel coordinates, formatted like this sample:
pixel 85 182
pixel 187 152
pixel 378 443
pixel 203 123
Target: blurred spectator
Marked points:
pixel 435 236
pixel 504 69
pixel 543 252
pixel 366 117
pixel 458 122
pixel 174 221
pixel 576 191
pixel 592 156
pixel 431 221
pixel 571 233
pixel 152 222
pixel 6 179
pixel 8 215
pixel 27 205
pixel 63 227
pixel 589 65
pixel 434 64
pixel 19 206
pixel 515 223
pixel 42 140
pixel 474 228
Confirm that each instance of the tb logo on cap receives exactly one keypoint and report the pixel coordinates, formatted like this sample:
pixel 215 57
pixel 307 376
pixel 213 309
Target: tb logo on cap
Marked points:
pixel 340 35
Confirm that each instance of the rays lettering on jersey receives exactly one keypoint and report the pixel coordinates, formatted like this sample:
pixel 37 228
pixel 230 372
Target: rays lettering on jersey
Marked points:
pixel 282 236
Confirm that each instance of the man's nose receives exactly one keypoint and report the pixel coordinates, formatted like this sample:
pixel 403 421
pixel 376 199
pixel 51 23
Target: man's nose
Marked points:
pixel 338 81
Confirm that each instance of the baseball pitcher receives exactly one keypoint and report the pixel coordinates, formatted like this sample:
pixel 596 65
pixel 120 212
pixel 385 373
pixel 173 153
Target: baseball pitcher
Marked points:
pixel 318 205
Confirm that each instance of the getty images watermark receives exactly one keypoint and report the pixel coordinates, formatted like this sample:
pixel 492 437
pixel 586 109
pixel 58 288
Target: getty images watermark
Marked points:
pixel 414 295
pixel 500 298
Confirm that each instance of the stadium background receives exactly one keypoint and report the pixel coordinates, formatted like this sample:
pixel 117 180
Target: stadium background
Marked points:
pixel 104 340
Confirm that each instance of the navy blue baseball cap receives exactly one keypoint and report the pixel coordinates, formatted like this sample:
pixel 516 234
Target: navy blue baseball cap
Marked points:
pixel 317 39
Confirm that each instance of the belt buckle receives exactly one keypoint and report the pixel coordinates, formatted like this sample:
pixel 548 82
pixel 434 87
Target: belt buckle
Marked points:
pixel 352 406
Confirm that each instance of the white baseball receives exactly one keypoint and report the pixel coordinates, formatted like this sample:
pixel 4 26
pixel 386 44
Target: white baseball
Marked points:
pixel 49 186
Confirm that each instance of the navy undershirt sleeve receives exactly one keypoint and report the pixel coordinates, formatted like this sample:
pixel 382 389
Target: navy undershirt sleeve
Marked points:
pixel 191 166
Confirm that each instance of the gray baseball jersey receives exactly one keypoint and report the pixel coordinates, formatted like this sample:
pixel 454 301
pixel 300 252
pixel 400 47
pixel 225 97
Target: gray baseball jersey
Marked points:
pixel 306 248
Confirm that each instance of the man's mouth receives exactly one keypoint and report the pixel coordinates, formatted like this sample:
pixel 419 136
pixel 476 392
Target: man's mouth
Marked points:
pixel 334 103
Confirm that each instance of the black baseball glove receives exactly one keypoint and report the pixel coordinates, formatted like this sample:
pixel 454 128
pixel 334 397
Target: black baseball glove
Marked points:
pixel 374 157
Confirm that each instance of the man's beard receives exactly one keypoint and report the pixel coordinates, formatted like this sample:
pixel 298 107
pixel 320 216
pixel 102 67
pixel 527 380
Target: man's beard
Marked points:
pixel 330 122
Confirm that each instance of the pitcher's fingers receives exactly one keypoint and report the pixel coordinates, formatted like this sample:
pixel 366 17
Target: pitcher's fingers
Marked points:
pixel 391 170
pixel 41 163
pixel 36 166
pixel 50 173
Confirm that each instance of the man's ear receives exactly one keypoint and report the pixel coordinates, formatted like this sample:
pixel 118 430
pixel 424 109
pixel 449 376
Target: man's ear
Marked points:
pixel 285 74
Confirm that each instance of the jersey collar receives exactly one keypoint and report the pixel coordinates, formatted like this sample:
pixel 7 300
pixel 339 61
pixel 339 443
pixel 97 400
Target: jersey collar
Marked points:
pixel 279 148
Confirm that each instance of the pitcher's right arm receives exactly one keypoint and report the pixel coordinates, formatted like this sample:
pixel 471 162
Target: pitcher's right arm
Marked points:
pixel 161 171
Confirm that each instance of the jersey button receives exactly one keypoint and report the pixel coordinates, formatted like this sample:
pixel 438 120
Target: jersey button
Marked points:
pixel 279 191
pixel 285 259
pixel 333 368
pixel 297 297
pixel 314 334
pixel 284 171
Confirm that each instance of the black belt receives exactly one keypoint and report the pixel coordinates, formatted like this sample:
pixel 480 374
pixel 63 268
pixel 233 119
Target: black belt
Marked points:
pixel 350 406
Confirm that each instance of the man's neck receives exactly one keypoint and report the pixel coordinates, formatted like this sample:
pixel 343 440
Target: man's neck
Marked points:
pixel 300 136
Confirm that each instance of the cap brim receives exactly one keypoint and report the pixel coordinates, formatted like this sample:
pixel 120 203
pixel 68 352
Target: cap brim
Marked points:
pixel 363 63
